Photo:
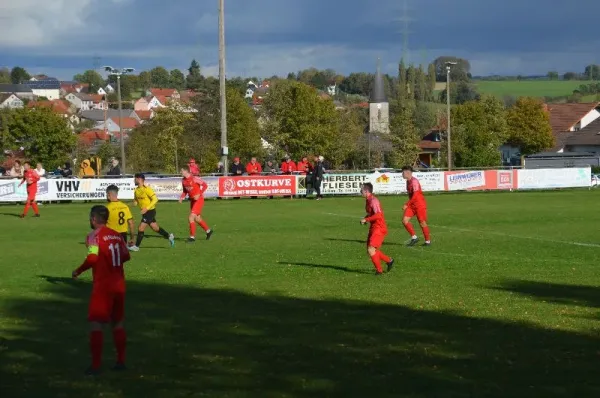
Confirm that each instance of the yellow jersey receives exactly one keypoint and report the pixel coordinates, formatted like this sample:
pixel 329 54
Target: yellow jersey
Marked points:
pixel 145 197
pixel 118 216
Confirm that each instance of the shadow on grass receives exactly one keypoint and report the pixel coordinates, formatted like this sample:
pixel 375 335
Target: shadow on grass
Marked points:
pixel 186 342
pixel 323 266
pixel 363 242
pixel 579 295
pixel 17 215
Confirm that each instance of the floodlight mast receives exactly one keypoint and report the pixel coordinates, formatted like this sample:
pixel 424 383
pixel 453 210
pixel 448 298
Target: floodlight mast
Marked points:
pixel 118 73
pixel 449 65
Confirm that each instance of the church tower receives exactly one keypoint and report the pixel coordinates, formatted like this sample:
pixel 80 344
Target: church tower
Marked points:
pixel 379 111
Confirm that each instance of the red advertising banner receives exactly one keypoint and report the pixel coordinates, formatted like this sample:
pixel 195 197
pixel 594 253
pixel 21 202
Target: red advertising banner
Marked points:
pixel 480 180
pixel 257 186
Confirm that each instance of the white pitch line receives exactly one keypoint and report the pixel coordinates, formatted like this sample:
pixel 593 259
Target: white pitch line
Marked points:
pixel 478 231
pixel 537 238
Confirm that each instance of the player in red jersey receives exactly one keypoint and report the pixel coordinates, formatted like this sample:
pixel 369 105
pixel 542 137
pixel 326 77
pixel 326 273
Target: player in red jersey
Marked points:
pixel 416 206
pixel 377 230
pixel 31 177
pixel 194 187
pixel 107 252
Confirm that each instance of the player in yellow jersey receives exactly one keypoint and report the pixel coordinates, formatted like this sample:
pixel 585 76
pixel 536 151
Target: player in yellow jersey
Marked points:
pixel 119 215
pixel 145 198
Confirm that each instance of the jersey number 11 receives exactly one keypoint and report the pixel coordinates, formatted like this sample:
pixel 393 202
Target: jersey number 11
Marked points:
pixel 115 251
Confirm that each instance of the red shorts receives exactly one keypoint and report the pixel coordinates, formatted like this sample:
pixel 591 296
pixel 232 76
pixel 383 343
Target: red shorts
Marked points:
pixel 31 194
pixel 375 238
pixel 106 307
pixel 419 211
pixel 196 206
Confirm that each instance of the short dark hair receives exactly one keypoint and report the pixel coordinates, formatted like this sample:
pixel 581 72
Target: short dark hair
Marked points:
pixel 17 161
pixel 112 188
pixel 186 168
pixel 139 175
pixel 367 186
pixel 407 168
pixel 26 163
pixel 100 214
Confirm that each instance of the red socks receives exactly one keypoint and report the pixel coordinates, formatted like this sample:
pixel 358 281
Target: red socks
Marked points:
pixel 96 342
pixel 426 233
pixel 204 225
pixel 376 262
pixel 410 229
pixel 383 257
pixel 192 229
pixel 120 340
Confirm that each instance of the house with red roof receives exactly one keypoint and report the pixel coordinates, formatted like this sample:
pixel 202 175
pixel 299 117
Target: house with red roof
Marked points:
pixel 60 107
pixel 149 103
pixel 168 93
pixel 115 124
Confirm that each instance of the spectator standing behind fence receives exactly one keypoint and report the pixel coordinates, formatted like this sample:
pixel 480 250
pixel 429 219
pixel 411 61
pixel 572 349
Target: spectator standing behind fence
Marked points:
pixel 304 166
pixel 66 172
pixel 194 169
pixel 318 172
pixel 115 169
pixel 85 170
pixel 39 169
pixel 271 167
pixel 236 168
pixel 220 168
pixel 288 166
pixel 253 168
pixel 16 170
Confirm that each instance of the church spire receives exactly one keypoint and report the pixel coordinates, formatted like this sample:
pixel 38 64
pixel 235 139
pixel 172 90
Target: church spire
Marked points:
pixel 378 92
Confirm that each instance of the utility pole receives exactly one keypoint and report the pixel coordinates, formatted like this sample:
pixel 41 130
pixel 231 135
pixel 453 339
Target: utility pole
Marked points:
pixel 118 73
pixel 222 88
pixel 448 129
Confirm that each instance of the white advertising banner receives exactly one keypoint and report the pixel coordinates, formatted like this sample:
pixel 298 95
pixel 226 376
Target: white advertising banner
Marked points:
pixel 10 191
pixel 343 184
pixel 554 178
pixel 393 183
pixel 89 189
pixel 465 180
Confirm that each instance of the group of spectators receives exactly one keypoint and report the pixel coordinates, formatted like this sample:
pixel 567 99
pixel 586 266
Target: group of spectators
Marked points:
pixel 313 171
pixel 65 171
pixel 17 170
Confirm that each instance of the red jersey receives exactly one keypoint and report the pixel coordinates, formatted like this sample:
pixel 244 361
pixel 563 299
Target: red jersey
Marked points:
pixel 193 186
pixel 304 167
pixel 375 215
pixel 107 252
pixel 415 193
pixel 31 177
pixel 253 169
pixel 288 167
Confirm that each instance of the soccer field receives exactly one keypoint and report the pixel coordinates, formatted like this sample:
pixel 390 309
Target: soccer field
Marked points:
pixel 283 302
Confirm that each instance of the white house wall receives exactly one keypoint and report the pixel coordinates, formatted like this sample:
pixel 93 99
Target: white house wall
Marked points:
pixel 590 117
pixel 52 94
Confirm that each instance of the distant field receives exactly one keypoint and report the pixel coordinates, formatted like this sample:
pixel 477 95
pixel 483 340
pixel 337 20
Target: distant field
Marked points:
pixel 529 88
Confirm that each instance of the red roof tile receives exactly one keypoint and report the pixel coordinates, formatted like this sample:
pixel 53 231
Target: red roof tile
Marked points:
pixel 126 122
pixel 97 98
pixel 144 115
pixel 162 99
pixel 163 92
pixel 563 117
pixel 426 144
pixel 58 106
pixel 88 137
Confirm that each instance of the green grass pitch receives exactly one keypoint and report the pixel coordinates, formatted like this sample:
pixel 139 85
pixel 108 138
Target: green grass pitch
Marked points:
pixel 283 302
pixel 529 88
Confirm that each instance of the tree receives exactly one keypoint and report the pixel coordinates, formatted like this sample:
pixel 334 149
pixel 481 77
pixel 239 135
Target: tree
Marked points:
pixel 106 151
pixel 243 133
pixel 5 76
pixel 431 80
pixel 92 78
pixel 552 75
pixel 529 126
pixel 402 82
pixel 404 137
pixel 45 135
pixel 128 83
pixel 460 92
pixel 194 78
pixel 422 92
pixel 346 142
pixel 144 81
pixel 570 76
pixel 159 77
pixel 298 121
pixel 357 83
pixel 177 79
pixel 592 72
pixel 19 75
pixel 424 117
pixel 411 77
pixel 459 72
pixel 478 130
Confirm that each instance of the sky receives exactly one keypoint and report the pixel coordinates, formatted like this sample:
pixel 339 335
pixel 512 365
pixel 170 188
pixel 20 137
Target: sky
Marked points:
pixel 274 37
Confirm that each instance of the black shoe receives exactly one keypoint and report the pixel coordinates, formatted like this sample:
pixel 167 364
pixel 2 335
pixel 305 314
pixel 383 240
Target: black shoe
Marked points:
pixel 209 234
pixel 427 244
pixel 413 242
pixel 377 273
pixel 191 240
pixel 92 372
pixel 22 216
pixel 119 367
pixel 37 215
pixel 390 265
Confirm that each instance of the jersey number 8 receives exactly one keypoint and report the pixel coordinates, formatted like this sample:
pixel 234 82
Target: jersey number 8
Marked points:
pixel 121 218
